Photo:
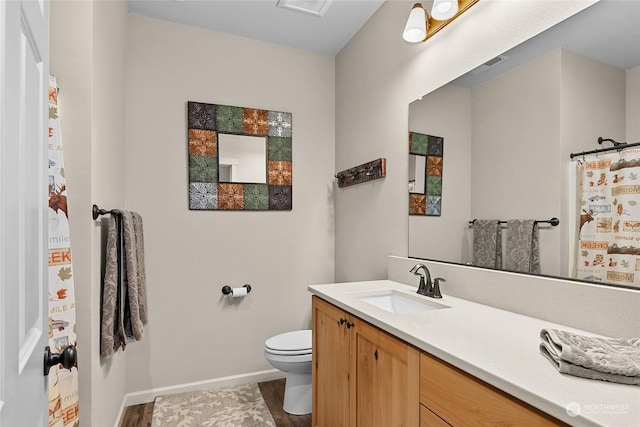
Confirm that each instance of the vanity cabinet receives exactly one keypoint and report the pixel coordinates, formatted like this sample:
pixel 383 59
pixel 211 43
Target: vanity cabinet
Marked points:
pixel 366 377
pixel 362 376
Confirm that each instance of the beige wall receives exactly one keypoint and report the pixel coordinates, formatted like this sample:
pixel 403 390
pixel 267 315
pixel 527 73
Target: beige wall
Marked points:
pixel 87 56
pixel 194 332
pixel 377 76
pixel 445 112
pixel 633 105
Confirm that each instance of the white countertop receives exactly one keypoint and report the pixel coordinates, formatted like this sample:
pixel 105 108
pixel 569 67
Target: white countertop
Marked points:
pixel 498 347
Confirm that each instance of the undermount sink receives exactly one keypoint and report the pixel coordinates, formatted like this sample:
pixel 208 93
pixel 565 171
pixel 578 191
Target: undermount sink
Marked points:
pixel 400 303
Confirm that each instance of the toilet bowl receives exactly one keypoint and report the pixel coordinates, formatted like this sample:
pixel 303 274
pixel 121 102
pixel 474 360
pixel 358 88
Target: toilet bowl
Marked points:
pixel 291 353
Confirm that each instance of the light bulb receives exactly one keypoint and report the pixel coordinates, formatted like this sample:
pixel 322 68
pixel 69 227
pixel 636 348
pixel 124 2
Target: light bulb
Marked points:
pixel 416 28
pixel 444 9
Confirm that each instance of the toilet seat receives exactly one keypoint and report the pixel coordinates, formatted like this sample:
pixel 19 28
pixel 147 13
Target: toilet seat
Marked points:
pixel 292 343
pixel 287 353
pixel 289 359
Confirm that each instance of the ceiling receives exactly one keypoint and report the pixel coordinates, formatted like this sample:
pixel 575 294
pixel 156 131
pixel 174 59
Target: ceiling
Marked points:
pixel 264 20
pixel 591 33
pixel 608 31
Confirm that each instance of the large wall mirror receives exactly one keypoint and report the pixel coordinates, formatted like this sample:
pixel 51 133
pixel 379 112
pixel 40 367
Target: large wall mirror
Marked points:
pixel 510 125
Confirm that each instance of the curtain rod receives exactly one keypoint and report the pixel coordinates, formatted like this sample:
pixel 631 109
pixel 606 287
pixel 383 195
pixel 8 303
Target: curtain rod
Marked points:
pixel 616 146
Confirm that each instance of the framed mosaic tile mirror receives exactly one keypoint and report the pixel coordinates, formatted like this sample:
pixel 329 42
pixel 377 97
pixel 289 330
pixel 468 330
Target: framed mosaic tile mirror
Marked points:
pixel 239 158
pixel 425 174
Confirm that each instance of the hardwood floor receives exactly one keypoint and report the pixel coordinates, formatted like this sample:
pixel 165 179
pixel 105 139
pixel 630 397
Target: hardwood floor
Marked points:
pixel 272 392
pixel 137 415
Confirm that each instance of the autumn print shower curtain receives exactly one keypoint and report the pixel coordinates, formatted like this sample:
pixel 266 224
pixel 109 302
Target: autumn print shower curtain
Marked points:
pixel 608 248
pixel 63 383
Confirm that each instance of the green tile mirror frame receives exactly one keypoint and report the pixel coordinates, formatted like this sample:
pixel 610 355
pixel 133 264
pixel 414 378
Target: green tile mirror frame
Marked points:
pixel 206 123
pixel 428 200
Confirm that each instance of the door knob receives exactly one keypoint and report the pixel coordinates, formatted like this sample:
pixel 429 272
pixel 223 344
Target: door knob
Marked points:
pixel 68 358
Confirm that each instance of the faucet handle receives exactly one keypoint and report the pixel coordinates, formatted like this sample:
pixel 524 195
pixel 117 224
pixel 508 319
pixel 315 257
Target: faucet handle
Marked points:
pixel 436 287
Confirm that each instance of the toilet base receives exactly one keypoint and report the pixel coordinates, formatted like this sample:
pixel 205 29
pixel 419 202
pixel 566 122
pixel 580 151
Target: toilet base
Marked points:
pixel 297 394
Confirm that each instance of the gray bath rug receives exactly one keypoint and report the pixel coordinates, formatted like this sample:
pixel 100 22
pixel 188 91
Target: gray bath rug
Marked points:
pixel 241 406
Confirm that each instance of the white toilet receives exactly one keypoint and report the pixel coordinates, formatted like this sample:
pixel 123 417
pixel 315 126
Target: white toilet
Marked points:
pixel 291 353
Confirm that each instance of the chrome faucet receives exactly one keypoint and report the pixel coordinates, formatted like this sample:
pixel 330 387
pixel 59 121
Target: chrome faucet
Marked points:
pixel 425 287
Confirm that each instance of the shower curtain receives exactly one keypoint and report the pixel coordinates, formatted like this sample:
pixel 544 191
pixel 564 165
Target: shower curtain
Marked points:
pixel 63 383
pixel 608 222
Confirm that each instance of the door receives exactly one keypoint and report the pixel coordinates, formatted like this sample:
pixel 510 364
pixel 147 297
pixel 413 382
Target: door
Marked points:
pixel 385 375
pixel 24 71
pixel 330 367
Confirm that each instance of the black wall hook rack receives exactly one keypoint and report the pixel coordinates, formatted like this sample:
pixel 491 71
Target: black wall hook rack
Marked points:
pixel 369 171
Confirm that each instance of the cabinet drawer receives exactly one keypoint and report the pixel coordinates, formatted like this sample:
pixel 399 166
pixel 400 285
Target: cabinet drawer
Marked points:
pixel 429 419
pixel 461 399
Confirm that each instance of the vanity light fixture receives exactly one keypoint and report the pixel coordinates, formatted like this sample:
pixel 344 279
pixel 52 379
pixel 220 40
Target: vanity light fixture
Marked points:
pixel 421 25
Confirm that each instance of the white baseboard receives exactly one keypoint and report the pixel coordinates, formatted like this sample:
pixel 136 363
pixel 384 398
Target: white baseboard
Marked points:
pixel 146 396
pixel 211 384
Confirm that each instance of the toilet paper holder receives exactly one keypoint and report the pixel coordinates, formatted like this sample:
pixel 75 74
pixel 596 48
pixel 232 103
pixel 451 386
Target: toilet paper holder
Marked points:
pixel 228 290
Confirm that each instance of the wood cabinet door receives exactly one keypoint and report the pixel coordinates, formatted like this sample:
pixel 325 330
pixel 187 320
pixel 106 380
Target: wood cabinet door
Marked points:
pixel 385 378
pixel 330 367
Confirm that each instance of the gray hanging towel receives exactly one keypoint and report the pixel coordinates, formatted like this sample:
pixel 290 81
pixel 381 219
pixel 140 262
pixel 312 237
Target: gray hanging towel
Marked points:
pixel 112 326
pixel 142 280
pixel 522 252
pixel 124 308
pixel 487 243
pixel 133 277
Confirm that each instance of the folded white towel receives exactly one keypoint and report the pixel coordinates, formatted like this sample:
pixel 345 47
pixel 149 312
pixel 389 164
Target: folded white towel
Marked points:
pixel 607 359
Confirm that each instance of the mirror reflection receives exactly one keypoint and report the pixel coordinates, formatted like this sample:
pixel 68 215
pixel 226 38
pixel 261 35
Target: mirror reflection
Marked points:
pixel 511 124
pixel 417 168
pixel 242 159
